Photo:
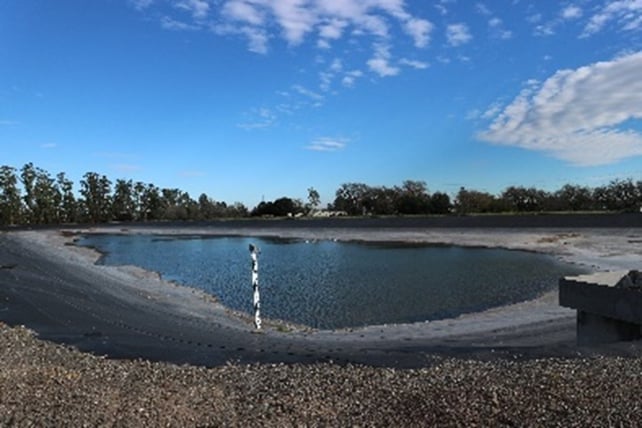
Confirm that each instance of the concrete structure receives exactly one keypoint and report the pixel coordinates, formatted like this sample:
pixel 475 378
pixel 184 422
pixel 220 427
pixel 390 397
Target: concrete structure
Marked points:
pixel 609 305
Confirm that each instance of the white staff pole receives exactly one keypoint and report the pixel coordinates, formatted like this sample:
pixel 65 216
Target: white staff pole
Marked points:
pixel 254 254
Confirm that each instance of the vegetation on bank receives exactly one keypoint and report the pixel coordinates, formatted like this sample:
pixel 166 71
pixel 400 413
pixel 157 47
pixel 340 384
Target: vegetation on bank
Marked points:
pixel 32 196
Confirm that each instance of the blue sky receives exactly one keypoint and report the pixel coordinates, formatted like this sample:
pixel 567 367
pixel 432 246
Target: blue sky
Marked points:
pixel 252 99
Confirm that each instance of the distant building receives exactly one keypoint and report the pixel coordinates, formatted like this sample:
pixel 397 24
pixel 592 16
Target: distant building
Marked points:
pixel 328 213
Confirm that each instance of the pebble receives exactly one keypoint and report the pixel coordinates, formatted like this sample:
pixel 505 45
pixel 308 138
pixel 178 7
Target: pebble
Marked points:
pixel 44 384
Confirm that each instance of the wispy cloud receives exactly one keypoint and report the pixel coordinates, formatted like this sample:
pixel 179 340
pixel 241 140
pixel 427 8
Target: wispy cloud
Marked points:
pixel 141 4
pixel 380 62
pixel 571 12
pixel 624 14
pixel 199 9
pixel 327 144
pixel 261 22
pixel 48 146
pixel 458 34
pixel 351 77
pixel 125 168
pixel 294 20
pixel 6 122
pixel 497 29
pixel 579 116
pixel 259 118
pixel 302 90
pixel 419 65
pixel 327 76
pixel 172 24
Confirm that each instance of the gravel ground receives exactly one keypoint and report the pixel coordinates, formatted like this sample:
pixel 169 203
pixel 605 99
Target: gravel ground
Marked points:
pixel 43 384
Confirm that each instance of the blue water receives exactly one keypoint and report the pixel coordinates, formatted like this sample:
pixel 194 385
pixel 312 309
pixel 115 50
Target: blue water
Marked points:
pixel 329 284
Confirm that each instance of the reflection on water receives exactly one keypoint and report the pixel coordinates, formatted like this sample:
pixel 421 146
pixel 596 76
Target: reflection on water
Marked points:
pixel 329 284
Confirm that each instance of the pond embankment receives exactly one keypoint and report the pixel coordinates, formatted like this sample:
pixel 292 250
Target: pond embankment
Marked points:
pixel 510 365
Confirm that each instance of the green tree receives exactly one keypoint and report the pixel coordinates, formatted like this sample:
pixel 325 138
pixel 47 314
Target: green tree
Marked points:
pixel 151 203
pixel 381 201
pixel 96 190
pixel 123 203
pixel 176 204
pixel 280 207
pixel 574 198
pixel 314 199
pixel 521 199
pixel 473 201
pixel 413 198
pixel 205 207
pixel 46 198
pixel 10 204
pixel 352 198
pixel 624 195
pixel 439 203
pixel 28 178
pixel 68 205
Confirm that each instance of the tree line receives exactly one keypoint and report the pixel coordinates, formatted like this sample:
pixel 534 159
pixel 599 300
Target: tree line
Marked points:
pixel 31 195
pixel 413 198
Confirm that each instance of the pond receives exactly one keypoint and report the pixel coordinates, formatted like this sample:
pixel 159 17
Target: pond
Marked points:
pixel 327 284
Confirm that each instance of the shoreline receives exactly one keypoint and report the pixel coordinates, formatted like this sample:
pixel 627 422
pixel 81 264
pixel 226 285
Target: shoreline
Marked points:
pixel 177 359
pixel 534 328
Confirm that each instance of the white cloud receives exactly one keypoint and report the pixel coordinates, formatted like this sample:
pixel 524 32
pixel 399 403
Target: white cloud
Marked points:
pixel 492 111
pixel 259 118
pixel 336 65
pixel 624 14
pixel 420 30
pixel 382 67
pixel 198 8
pixel 301 90
pixel 483 9
pixel 441 9
pixel 326 77
pixel 48 146
pixel 458 34
pixel 295 20
pixel 332 29
pixel 257 40
pixel 172 24
pixel 323 44
pixel 380 62
pixel 327 144
pixel 351 77
pixel 579 116
pixel 256 37
pixel 571 12
pixel 240 10
pixel 497 29
pixel 141 4
pixel 419 65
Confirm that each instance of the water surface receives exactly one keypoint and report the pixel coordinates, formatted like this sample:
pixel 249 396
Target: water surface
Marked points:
pixel 328 284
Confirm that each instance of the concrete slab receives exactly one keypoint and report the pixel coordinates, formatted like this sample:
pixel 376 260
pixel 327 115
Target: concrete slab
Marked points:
pixel 606 311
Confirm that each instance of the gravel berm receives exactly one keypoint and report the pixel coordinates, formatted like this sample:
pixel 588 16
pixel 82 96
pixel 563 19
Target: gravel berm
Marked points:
pixel 44 384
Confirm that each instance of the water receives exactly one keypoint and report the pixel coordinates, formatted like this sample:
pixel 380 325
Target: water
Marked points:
pixel 329 284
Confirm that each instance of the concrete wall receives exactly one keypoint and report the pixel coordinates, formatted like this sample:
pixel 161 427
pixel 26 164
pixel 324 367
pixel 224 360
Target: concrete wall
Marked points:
pixel 605 313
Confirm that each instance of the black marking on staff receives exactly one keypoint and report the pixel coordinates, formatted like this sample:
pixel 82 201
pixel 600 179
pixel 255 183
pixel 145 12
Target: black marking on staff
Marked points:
pixel 256 297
